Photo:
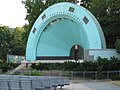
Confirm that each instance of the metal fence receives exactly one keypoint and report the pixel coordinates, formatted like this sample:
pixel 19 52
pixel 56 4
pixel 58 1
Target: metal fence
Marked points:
pixel 93 74
pixel 78 74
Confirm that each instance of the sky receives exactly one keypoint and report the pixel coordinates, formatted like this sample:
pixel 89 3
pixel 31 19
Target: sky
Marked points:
pixel 12 13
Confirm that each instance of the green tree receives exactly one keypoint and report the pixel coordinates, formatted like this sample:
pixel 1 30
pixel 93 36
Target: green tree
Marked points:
pixel 17 43
pixel 86 3
pixel 117 45
pixel 34 9
pixel 25 35
pixel 108 14
pixel 5 40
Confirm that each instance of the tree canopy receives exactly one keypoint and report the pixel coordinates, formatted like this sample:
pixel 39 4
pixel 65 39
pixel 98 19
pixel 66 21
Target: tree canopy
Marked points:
pixel 117 44
pixel 108 14
pixel 17 43
pixel 5 40
pixel 11 41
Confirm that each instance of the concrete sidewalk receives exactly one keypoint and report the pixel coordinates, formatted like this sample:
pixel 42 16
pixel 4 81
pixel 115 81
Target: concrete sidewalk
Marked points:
pixel 74 86
pixel 90 85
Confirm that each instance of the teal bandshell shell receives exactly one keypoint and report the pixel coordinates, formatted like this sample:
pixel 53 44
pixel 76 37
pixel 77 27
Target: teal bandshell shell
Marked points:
pixel 60 27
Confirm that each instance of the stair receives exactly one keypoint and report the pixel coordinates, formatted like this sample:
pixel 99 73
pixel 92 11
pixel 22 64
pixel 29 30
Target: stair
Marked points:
pixel 17 69
pixel 22 66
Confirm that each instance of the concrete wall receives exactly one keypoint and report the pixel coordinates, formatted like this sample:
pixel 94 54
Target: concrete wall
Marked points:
pixel 103 53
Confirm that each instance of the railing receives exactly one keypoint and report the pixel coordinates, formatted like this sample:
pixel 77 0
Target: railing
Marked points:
pixel 78 74
pixel 93 74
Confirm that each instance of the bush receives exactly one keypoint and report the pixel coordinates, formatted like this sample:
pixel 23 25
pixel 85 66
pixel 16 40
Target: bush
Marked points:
pixel 107 65
pixel 115 77
pixel 100 75
pixel 33 73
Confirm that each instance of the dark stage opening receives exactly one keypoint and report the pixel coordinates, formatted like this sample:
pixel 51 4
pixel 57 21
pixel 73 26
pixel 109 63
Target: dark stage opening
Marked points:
pixel 77 52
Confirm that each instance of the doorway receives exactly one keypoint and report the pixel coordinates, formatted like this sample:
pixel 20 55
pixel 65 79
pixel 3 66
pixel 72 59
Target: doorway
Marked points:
pixel 77 52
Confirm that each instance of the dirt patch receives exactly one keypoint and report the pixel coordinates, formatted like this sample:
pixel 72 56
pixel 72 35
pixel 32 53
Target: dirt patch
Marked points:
pixel 116 83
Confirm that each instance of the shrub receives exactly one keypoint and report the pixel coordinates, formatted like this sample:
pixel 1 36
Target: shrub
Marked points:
pixel 107 65
pixel 115 77
pixel 34 72
pixel 99 75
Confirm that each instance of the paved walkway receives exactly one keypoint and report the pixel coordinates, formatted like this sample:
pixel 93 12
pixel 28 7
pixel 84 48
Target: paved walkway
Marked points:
pixel 88 85
pixel 102 86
